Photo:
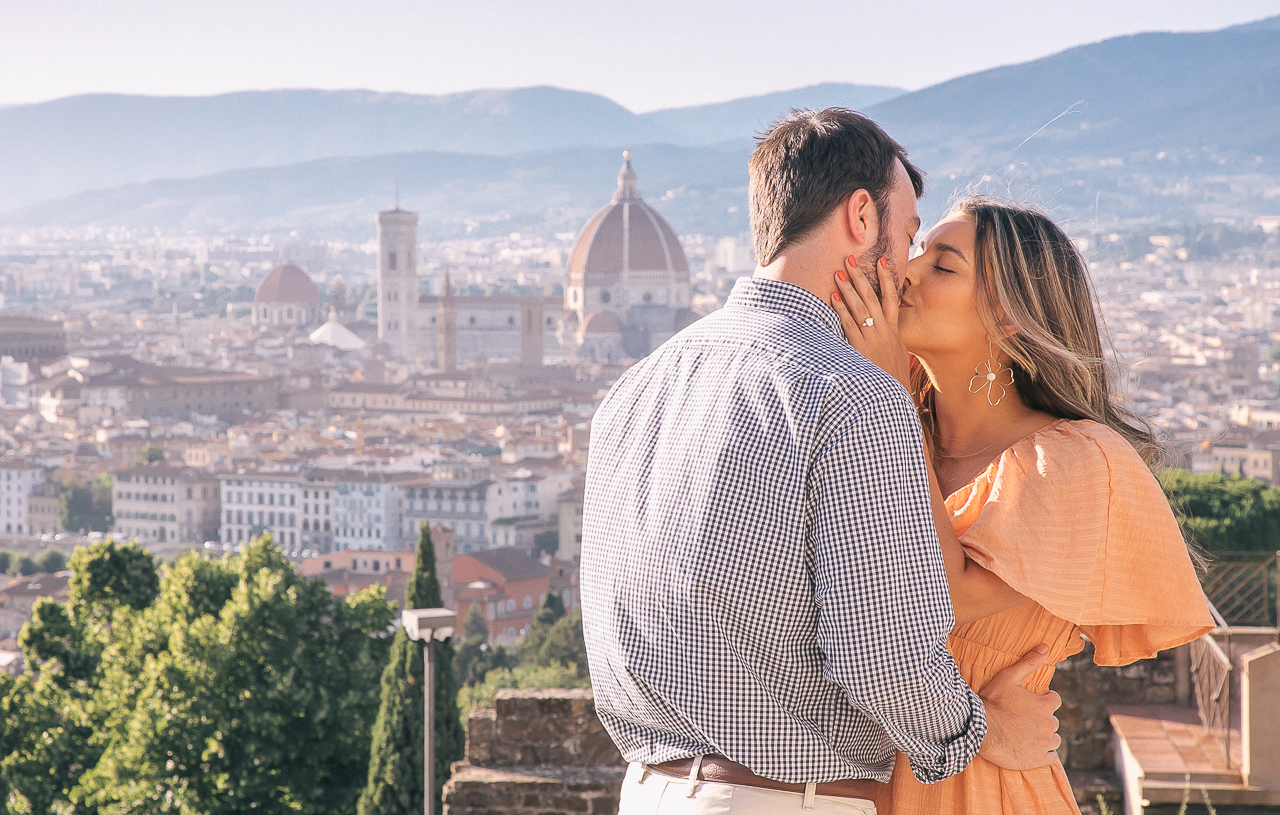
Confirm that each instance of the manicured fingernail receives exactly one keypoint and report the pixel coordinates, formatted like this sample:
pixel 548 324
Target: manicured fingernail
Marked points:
pixel 840 274
pixel 853 261
pixel 884 263
pixel 835 295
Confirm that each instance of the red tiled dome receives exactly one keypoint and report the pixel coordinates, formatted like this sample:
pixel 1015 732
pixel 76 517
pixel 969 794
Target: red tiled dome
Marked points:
pixel 287 284
pixel 625 235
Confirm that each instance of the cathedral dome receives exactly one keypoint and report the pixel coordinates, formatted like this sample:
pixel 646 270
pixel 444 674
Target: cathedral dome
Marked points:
pixel 625 235
pixel 287 284
pixel 601 322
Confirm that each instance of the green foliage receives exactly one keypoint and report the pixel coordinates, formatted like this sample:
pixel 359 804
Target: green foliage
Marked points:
pixel 86 506
pixel 546 543
pixel 51 560
pixel 106 574
pixel 148 454
pixel 474 624
pixel 522 676
pixel 25 565
pixel 6 561
pixel 565 644
pixel 547 615
pixel 1225 513
pixel 394 783
pixel 219 687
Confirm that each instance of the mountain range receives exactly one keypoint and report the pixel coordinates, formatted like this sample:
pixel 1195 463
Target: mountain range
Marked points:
pixel 1154 126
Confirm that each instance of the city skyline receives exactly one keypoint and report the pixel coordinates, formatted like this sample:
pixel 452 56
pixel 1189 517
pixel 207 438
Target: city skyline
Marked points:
pixel 643 62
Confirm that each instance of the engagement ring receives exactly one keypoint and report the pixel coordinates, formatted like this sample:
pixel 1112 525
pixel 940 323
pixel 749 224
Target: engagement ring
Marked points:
pixel 867 323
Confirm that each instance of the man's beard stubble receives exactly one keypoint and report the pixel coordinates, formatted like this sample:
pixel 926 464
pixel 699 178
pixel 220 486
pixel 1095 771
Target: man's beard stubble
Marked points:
pixel 868 263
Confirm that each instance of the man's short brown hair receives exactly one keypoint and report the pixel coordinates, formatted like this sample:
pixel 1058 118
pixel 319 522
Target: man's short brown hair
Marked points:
pixel 808 164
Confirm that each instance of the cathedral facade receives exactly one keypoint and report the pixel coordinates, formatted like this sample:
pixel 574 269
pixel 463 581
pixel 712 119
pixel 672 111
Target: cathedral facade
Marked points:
pixel 627 289
pixel 626 292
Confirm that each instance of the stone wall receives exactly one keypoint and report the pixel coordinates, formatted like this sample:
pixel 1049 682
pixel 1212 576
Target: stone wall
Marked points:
pixel 537 752
pixel 1088 690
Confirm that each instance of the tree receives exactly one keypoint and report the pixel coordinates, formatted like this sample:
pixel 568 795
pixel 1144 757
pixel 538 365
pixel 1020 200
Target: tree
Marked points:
pixel 548 614
pixel 148 454
pixel 51 560
pixel 565 644
pixel 219 687
pixel 476 657
pixel 546 543
pixel 6 562
pixel 397 758
pixel 86 506
pixel 261 704
pixel 1225 513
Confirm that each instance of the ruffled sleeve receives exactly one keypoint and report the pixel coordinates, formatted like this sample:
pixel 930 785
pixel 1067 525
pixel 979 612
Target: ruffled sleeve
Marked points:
pixel 1073 519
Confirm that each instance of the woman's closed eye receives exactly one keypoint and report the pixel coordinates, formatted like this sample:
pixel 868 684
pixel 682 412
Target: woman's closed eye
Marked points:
pixel 942 269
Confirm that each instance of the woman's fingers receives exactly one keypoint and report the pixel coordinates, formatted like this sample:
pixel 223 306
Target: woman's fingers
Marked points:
pixel 848 323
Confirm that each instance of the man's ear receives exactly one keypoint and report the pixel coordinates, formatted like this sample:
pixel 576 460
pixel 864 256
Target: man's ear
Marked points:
pixel 861 217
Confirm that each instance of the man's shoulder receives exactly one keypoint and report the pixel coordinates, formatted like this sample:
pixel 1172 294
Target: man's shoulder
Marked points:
pixel 754 344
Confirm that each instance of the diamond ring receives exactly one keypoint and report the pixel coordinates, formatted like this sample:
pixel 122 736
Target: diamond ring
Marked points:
pixel 867 323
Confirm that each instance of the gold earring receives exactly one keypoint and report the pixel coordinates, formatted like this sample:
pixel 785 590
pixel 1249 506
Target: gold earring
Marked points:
pixel 989 375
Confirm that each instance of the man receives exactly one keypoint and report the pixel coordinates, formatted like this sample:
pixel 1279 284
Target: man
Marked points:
pixel 764 600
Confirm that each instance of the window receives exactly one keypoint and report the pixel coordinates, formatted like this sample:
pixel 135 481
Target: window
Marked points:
pixel 391 261
pixel 604 297
pixel 528 602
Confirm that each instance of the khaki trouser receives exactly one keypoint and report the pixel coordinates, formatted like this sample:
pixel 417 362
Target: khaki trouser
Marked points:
pixel 650 793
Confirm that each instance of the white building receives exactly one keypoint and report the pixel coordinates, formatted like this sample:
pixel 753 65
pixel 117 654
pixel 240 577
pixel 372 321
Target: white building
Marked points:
pixel 366 509
pixel 160 503
pixel 255 503
pixel 19 478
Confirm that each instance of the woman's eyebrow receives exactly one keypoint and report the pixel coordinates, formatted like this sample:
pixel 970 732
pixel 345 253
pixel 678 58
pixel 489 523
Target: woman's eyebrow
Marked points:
pixel 946 247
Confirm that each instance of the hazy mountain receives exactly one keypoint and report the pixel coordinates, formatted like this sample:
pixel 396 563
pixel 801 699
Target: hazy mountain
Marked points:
pixel 81 142
pixel 1176 127
pixel 742 118
pixel 694 187
pixel 1269 24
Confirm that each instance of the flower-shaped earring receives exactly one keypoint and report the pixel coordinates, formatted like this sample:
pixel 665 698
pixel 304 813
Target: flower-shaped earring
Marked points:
pixel 990 375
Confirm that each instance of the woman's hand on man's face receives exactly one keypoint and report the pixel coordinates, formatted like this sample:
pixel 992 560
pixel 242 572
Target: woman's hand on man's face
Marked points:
pixel 870 323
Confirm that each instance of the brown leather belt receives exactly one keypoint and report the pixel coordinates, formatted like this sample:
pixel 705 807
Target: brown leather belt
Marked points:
pixel 722 770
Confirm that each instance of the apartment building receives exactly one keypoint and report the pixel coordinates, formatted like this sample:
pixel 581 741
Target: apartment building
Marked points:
pixel 162 503
pixel 18 479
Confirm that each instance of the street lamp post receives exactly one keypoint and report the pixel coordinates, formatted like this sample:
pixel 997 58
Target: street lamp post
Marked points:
pixel 428 624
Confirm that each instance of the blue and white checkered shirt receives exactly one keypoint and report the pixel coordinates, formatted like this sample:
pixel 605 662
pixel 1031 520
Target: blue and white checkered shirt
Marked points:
pixel 761 577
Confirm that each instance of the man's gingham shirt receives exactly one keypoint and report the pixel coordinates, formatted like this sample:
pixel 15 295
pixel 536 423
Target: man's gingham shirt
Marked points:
pixel 761 577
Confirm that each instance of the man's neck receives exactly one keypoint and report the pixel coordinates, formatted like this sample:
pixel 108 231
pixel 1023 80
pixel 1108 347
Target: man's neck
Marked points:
pixel 809 266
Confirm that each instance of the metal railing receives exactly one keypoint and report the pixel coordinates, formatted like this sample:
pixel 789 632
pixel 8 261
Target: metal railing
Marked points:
pixel 1211 675
pixel 1242 585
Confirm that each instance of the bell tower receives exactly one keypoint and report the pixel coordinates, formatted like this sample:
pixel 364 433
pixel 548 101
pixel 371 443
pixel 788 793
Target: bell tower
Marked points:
pixel 398 280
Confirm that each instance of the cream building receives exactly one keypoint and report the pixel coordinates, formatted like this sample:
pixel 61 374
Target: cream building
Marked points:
pixel 18 479
pixel 161 503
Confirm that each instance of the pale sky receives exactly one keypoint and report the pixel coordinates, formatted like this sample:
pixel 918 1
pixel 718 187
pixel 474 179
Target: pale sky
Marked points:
pixel 643 55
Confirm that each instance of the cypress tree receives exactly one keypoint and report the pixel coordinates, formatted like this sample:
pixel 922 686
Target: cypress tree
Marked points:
pixel 396 759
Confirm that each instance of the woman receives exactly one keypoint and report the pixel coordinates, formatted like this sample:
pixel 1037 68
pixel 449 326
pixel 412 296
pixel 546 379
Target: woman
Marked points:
pixel 1047 478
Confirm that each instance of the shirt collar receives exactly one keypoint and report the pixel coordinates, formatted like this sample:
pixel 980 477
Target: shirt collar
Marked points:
pixel 786 299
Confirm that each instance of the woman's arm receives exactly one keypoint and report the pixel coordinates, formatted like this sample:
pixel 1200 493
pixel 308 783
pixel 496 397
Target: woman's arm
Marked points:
pixel 975 592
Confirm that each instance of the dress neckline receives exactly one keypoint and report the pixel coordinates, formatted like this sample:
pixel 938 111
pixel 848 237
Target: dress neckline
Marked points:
pixel 996 461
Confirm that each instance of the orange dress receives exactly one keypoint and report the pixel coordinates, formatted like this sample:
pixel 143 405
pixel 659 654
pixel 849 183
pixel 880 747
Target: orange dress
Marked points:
pixel 1072 518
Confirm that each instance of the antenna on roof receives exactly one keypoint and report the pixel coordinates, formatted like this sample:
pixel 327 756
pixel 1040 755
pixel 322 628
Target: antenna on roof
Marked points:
pixel 397 183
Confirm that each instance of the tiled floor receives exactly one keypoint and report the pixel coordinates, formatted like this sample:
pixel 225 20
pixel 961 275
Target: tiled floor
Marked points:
pixel 1169 743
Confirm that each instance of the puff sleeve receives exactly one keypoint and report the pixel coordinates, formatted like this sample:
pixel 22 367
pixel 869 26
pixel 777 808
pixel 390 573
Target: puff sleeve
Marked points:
pixel 1074 520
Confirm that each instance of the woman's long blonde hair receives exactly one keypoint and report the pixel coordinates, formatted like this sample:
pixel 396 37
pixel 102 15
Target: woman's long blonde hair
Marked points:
pixel 1034 296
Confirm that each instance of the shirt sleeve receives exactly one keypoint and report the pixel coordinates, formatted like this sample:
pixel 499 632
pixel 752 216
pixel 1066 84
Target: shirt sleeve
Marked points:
pixel 1075 521
pixel 884 611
